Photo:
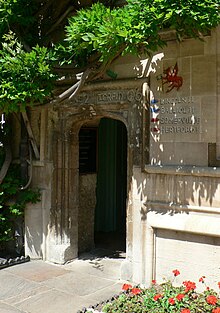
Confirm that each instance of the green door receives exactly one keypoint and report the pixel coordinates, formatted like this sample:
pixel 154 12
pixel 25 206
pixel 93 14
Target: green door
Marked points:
pixel 110 213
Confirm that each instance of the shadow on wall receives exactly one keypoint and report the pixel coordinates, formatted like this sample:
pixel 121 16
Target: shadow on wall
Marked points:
pixel 177 192
pixel 33 243
pixel 174 190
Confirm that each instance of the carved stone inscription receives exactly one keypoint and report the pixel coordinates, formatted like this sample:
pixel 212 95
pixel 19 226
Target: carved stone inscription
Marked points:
pixel 109 96
pixel 180 115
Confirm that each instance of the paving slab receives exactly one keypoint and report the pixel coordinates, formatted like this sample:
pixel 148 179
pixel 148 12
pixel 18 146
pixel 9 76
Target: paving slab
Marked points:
pixel 54 301
pixel 102 267
pixel 79 283
pixel 12 285
pixel 44 271
pixel 26 295
pixel 38 286
pixel 105 293
pixel 5 308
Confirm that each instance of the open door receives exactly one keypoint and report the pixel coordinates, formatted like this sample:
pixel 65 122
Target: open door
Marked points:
pixel 111 192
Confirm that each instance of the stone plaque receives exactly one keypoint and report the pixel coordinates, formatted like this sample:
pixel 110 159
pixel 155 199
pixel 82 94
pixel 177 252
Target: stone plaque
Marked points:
pixel 176 119
pixel 176 129
pixel 109 96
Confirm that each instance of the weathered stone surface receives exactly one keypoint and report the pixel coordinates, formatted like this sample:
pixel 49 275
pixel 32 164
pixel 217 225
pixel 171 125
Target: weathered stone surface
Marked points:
pixel 28 294
pixel 175 189
pixel 35 286
pixel 87 202
pixel 6 308
pixel 43 273
pixel 190 253
pixel 108 268
pixel 75 283
pixel 15 285
pixel 53 301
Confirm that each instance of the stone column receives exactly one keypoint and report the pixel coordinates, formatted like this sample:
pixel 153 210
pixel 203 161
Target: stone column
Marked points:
pixel 63 237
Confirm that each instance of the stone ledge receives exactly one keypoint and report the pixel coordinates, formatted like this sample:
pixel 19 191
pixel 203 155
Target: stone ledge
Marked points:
pixel 188 222
pixel 183 170
pixel 177 207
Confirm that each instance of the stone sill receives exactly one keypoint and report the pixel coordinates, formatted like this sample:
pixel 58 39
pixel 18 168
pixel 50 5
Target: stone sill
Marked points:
pixel 180 208
pixel 183 170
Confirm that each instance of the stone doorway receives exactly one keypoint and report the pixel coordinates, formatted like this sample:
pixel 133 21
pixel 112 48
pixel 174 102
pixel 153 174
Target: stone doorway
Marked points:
pixel 102 186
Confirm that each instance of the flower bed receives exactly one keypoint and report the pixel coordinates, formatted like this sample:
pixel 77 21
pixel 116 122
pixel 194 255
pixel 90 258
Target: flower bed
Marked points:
pixel 162 298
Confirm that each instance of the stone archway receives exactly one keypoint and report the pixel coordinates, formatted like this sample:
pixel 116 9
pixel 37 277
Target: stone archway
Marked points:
pixel 55 236
pixel 63 240
pixel 102 185
pixel 116 101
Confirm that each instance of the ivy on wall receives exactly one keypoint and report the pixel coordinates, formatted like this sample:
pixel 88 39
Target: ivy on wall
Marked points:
pixel 12 201
pixel 13 192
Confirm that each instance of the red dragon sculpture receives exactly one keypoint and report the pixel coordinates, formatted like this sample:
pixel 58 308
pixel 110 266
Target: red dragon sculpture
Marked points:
pixel 170 77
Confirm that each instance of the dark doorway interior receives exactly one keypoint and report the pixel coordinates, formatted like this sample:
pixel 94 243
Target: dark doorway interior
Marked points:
pixel 111 192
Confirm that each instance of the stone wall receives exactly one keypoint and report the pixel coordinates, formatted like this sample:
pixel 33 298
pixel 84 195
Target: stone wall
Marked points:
pixel 173 183
pixel 176 223
pixel 173 220
pixel 87 202
pixel 184 119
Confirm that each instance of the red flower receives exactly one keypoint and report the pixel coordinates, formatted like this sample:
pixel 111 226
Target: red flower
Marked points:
pixel 217 310
pixel 180 296
pixel 219 284
pixel 208 288
pixel 171 301
pixel 135 291
pixel 201 279
pixel 189 285
pixel 126 287
pixel 211 299
pixel 153 281
pixel 158 296
pixel 176 272
pixel 187 311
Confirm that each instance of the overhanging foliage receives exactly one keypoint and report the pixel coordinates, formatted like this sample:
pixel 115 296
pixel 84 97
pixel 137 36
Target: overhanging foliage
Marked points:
pixel 93 38
pixel 26 77
pixel 136 27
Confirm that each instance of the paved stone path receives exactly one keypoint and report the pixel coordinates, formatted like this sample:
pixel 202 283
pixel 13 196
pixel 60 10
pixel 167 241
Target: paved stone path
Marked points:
pixel 39 287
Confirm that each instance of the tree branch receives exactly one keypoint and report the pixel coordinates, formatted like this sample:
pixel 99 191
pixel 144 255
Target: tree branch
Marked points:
pixel 63 16
pixel 73 90
pixel 104 66
pixel 7 161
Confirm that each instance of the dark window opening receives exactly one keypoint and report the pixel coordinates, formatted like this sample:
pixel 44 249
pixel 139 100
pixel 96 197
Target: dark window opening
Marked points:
pixel 87 150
